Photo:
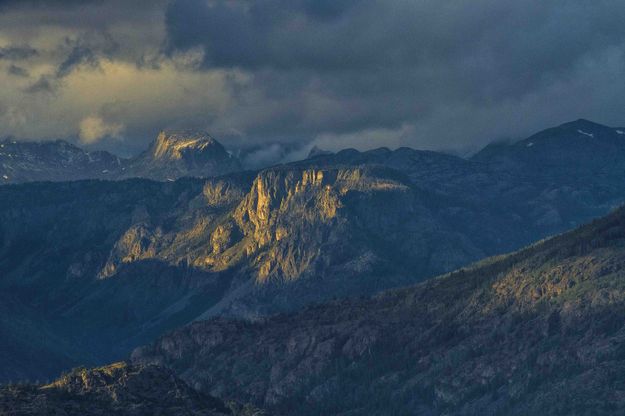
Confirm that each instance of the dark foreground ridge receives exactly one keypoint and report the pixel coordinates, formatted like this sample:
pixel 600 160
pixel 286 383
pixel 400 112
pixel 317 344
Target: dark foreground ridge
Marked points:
pixel 117 389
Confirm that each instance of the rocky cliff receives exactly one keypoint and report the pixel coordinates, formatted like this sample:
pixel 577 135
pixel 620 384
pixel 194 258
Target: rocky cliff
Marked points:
pixel 351 230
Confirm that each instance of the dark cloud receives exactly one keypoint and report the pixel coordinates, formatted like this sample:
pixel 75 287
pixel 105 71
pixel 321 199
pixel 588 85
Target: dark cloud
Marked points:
pixel 17 53
pixel 20 4
pixel 273 33
pixel 18 71
pixel 86 50
pixel 381 64
pixel 359 34
pixel 427 73
pixel 79 55
pixel 43 84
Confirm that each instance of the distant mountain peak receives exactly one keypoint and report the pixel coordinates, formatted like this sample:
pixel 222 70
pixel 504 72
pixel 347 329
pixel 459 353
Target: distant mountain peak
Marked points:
pixel 174 154
pixel 581 123
pixel 317 151
pixel 173 144
pixel 564 146
pixel 584 127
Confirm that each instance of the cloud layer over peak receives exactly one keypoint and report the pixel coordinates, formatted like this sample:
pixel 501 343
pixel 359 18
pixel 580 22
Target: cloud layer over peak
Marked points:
pixel 357 73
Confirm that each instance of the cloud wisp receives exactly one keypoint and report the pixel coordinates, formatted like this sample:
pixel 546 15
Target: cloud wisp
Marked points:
pixel 94 128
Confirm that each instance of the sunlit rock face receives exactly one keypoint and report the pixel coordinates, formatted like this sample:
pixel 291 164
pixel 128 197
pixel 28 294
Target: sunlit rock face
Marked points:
pixel 295 223
pixel 298 221
pixel 185 153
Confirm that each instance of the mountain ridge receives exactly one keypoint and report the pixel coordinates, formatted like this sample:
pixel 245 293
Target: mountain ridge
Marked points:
pixel 570 139
pixel 533 331
pixel 101 267
pixel 204 156
pixel 52 160
pixel 172 155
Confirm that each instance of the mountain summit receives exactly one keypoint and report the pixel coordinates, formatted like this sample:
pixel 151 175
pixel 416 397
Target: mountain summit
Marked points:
pixel 579 147
pixel 183 153
pixel 183 144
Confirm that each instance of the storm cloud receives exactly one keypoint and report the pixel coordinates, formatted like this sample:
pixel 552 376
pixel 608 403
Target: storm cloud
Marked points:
pixel 17 53
pixel 342 73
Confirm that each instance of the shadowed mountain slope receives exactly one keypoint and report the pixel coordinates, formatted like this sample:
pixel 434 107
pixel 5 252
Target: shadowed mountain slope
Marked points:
pixel 558 151
pixel 52 161
pixel 539 331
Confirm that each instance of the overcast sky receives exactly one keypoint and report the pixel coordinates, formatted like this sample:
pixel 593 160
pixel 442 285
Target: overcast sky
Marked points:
pixel 428 74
